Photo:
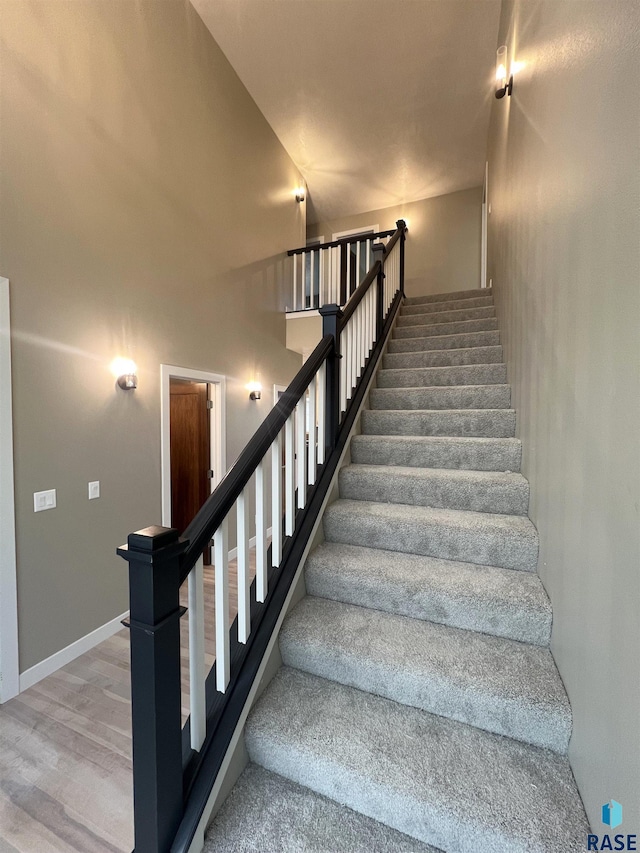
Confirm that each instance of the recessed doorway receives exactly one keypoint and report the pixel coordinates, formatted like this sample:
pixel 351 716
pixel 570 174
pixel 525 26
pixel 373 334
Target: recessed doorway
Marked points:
pixel 193 442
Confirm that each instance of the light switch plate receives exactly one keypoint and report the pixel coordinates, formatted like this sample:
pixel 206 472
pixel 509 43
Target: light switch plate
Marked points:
pixel 44 500
pixel 94 490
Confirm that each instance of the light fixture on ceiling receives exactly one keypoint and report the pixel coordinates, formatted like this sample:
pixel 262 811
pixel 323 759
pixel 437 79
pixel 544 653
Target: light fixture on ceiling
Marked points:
pixel 504 83
pixel 300 194
pixel 255 390
pixel 125 372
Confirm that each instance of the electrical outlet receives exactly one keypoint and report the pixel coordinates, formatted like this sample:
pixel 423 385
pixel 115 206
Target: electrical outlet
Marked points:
pixel 94 490
pixel 44 500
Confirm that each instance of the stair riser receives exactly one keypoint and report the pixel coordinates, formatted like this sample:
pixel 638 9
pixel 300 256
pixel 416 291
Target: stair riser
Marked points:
pixel 452 305
pixel 455 492
pixel 499 455
pixel 480 599
pixel 492 423
pixel 446 316
pixel 313 648
pixel 412 535
pixel 454 296
pixel 463 397
pixel 427 377
pixel 439 329
pixel 445 342
pixel 443 358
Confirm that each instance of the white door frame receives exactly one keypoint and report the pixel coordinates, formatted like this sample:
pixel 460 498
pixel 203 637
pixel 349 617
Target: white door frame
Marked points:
pixel 9 661
pixel 218 438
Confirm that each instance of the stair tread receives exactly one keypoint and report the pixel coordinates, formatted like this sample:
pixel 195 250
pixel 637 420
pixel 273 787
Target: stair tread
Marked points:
pixel 464 452
pixel 460 340
pixel 443 357
pixel 263 813
pixel 439 329
pixel 412 318
pixel 477 597
pixel 454 294
pixel 447 376
pixel 448 305
pixel 496 395
pixel 508 541
pixel 497 684
pixel 480 491
pixel 497 423
pixel 441 781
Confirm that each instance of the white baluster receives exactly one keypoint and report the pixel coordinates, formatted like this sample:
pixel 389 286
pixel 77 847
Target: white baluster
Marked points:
pixel 276 501
pixel 311 446
pixel 301 480
pixel 312 280
pixel 295 282
pixel 261 534
pixel 289 468
pixel 244 583
pixel 223 662
pixel 343 371
pixel 358 244
pixel 321 380
pixel 197 698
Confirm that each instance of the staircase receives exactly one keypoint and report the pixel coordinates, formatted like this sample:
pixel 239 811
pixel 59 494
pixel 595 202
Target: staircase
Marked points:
pixel 419 707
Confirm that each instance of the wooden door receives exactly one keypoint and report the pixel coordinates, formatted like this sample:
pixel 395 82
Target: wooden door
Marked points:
pixel 190 451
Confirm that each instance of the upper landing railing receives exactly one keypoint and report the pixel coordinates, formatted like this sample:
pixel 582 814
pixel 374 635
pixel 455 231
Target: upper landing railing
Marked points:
pixel 174 766
pixel 330 272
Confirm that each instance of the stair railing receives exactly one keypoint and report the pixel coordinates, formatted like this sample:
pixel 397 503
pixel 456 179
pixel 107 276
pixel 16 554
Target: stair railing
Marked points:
pixel 330 272
pixel 175 766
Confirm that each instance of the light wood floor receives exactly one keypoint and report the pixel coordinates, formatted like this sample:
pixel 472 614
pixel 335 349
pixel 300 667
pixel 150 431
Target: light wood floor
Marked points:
pixel 65 749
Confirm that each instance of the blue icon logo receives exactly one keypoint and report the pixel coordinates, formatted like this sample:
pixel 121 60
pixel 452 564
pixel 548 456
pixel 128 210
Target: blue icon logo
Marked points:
pixel 612 814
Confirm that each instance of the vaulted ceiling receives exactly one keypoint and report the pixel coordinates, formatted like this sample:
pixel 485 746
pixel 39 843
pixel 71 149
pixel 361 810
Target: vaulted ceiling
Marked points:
pixel 378 102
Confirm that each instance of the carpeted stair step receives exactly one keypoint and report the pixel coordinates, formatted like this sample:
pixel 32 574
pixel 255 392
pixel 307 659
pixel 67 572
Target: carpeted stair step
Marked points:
pixel 509 688
pixel 463 374
pixel 475 454
pixel 443 358
pixel 454 296
pixel 478 491
pixel 442 397
pixel 439 317
pixel 440 781
pixel 465 340
pixel 479 598
pixel 437 329
pixel 492 423
pixel 266 813
pixel 449 305
pixel 507 541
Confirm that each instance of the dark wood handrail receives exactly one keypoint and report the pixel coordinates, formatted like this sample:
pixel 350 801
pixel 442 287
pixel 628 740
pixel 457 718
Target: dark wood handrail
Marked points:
pixel 357 238
pixel 214 510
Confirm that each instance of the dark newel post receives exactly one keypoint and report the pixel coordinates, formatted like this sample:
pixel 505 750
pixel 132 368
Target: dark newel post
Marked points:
pixel 153 555
pixel 331 317
pixel 343 274
pixel 378 254
pixel 402 224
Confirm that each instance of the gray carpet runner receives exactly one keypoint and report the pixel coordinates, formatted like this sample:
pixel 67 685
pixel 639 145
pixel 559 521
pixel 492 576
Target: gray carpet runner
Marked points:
pixel 419 707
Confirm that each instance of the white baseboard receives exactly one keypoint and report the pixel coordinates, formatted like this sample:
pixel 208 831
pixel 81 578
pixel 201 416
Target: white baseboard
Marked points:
pixel 49 665
pixel 233 553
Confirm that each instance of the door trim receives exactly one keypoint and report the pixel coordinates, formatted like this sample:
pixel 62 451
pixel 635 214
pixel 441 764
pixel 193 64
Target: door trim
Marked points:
pixel 9 660
pixel 218 450
pixel 353 232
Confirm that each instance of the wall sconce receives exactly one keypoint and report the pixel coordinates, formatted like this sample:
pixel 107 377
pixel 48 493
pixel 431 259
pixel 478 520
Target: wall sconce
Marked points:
pixel 125 372
pixel 255 390
pixel 503 85
pixel 300 194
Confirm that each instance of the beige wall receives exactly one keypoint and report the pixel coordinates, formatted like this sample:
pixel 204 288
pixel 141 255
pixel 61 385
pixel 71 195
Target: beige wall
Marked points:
pixel 146 207
pixel 564 184
pixel 443 243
